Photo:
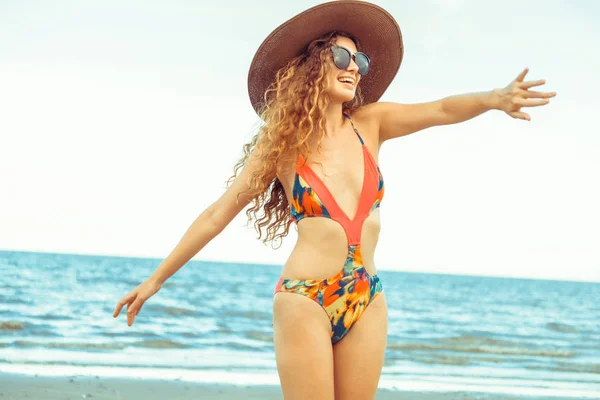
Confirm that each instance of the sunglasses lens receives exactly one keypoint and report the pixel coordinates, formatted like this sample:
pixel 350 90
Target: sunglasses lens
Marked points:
pixel 341 57
pixel 362 60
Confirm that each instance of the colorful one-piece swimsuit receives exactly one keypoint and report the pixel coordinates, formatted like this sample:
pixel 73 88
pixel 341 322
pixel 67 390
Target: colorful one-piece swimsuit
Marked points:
pixel 344 296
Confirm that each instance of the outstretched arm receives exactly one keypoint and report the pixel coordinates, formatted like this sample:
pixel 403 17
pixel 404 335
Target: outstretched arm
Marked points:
pixel 395 119
pixel 210 223
pixel 206 227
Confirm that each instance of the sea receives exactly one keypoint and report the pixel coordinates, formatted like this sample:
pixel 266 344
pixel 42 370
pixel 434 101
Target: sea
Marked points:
pixel 211 322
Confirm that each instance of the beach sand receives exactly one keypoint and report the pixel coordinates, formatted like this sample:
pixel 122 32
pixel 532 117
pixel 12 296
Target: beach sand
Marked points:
pixel 17 387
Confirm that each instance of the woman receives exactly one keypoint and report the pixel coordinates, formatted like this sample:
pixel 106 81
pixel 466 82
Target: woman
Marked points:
pixel 315 162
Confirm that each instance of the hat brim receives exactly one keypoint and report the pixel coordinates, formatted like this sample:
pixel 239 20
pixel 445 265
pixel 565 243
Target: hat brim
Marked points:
pixel 376 30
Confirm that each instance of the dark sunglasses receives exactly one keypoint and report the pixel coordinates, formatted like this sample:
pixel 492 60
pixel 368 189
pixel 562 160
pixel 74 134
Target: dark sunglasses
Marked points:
pixel 342 56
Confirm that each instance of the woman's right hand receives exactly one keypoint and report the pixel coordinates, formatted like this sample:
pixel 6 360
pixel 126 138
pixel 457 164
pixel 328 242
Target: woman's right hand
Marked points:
pixel 136 298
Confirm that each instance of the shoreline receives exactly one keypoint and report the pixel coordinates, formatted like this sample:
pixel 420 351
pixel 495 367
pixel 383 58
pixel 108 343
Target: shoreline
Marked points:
pixel 406 382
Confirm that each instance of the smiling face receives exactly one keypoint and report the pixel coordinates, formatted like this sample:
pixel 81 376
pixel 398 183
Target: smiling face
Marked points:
pixel 338 91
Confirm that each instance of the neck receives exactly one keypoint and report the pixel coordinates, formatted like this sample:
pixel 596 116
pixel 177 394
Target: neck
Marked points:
pixel 334 120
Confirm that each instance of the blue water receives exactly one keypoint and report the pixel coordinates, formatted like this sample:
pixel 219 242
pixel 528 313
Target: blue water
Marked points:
pixel 468 331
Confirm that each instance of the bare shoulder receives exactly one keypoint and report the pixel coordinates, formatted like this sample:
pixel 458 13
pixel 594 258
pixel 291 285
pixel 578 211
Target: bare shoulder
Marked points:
pixel 367 122
pixel 390 120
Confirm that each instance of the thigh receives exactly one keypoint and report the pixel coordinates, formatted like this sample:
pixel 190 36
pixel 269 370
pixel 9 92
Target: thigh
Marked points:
pixel 302 338
pixel 358 356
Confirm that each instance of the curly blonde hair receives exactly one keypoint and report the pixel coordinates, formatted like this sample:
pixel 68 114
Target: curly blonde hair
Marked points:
pixel 293 113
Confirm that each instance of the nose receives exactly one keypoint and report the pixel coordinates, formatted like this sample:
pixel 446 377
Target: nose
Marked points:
pixel 352 66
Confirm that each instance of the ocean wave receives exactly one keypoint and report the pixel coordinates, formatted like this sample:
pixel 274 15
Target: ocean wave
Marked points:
pixel 486 348
pixel 260 336
pixel 160 344
pixel 12 325
pixel 71 346
pixel 567 367
pixel 561 327
pixel 248 314
pixel 173 310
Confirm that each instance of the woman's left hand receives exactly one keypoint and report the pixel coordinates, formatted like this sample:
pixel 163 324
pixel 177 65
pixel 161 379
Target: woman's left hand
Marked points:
pixel 516 95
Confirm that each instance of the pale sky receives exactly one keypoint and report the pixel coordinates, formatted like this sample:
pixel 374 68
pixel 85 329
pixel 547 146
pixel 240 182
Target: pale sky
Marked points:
pixel 122 120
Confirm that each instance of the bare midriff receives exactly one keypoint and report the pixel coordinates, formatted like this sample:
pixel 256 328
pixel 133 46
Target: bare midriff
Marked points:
pixel 322 247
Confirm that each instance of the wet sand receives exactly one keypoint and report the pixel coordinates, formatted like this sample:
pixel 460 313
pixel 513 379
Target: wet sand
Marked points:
pixel 18 386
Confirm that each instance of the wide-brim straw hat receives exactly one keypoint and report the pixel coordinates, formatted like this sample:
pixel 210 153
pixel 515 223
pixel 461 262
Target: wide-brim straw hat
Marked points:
pixel 376 30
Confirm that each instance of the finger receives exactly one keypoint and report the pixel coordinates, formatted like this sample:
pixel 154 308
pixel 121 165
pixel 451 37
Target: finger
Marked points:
pixel 528 84
pixel 133 310
pixel 530 102
pixel 542 95
pixel 522 75
pixel 520 115
pixel 130 316
pixel 125 300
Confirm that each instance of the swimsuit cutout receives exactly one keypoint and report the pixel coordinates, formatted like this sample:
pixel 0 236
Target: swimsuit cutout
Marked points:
pixel 344 296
